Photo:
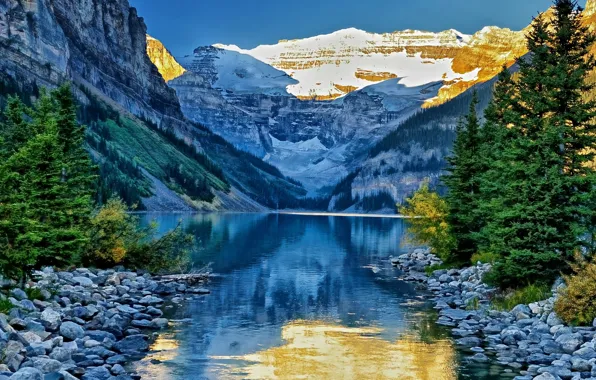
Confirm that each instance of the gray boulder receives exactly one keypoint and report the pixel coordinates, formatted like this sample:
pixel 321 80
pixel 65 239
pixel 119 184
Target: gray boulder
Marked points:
pixel 580 365
pixel 570 342
pixel 51 319
pixel 27 305
pixel 132 343
pixel 456 314
pixel 512 334
pixel 545 376
pixel 27 373
pixel 71 331
pixel 61 354
pixel 469 341
pixel 585 353
pixel 46 365
pixel 97 373
pixel 521 312
pixel 19 294
pixel 126 309
pixel 83 281
pixel 159 323
pixel 150 300
pixel 553 319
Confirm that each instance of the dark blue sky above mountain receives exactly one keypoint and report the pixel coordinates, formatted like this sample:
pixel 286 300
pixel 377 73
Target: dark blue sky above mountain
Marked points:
pixel 183 25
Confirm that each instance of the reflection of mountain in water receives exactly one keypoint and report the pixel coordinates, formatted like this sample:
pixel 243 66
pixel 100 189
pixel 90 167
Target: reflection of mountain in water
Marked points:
pixel 279 270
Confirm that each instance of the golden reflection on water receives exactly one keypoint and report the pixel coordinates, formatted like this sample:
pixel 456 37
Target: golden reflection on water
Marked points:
pixel 320 350
pixel 163 349
pixel 316 350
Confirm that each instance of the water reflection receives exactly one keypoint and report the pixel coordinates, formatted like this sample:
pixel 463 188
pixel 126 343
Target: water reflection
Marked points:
pixel 300 297
pixel 317 349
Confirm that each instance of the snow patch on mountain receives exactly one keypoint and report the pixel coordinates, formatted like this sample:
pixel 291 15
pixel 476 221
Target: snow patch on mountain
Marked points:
pixel 238 73
pixel 328 65
pixel 311 145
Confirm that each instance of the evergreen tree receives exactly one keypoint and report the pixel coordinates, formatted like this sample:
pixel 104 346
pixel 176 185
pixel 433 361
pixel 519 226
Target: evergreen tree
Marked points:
pixel 463 183
pixel 45 185
pixel 539 209
pixel 494 136
pixel 79 173
pixel 573 115
pixel 15 130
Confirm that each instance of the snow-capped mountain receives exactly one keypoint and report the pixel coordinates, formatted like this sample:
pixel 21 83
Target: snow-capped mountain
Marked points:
pixel 351 103
pixel 313 107
pixel 333 65
pixel 247 102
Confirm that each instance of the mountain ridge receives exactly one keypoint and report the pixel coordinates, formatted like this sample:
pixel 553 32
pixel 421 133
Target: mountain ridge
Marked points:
pixel 359 113
pixel 332 65
pixel 135 122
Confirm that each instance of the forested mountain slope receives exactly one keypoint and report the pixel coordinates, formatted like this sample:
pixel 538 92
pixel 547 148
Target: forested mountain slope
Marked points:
pixel 148 152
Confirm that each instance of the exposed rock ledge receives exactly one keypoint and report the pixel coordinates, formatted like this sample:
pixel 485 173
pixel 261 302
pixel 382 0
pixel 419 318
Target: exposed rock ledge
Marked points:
pixel 530 338
pixel 86 324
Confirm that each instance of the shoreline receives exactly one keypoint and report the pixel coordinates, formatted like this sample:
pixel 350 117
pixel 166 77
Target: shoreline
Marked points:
pixel 529 339
pixel 87 324
pixel 274 212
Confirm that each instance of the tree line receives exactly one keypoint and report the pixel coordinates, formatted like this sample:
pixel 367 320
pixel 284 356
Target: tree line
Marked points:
pixel 521 184
pixel 49 214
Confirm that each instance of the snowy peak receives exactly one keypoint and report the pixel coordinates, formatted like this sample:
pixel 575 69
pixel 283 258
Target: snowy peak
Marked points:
pixel 237 73
pixel 332 65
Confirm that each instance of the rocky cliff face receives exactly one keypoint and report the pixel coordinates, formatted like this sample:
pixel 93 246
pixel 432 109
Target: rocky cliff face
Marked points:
pixel 313 107
pixel 486 51
pixel 96 43
pixel 32 46
pixel 590 8
pixel 168 67
pixel 246 101
pixel 101 46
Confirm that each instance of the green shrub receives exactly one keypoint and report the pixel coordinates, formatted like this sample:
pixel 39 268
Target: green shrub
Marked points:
pixel 575 304
pixel 531 293
pixel 117 239
pixel 5 306
pixel 484 257
pixel 473 304
pixel 526 266
pixel 430 269
pixel 34 293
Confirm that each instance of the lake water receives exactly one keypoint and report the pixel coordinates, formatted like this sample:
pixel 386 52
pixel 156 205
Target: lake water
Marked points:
pixel 302 297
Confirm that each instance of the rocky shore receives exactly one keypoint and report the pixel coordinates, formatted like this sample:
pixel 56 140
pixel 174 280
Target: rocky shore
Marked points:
pixel 86 324
pixel 529 339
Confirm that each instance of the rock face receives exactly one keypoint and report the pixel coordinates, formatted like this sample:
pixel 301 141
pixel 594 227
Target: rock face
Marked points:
pixel 246 101
pixel 343 93
pixel 168 67
pixel 590 8
pixel 277 101
pixel 100 44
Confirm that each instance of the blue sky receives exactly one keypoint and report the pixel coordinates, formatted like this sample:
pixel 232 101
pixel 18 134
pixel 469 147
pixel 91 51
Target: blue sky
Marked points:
pixel 183 25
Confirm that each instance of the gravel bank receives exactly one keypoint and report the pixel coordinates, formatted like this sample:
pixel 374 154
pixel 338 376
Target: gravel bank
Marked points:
pixel 529 339
pixel 85 324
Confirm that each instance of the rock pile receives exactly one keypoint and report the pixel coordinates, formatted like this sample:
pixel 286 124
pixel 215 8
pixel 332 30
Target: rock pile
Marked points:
pixel 83 324
pixel 530 338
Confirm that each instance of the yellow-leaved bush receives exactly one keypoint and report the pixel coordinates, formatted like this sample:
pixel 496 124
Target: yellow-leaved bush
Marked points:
pixel 426 213
pixel 110 227
pixel 576 304
pixel 117 238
